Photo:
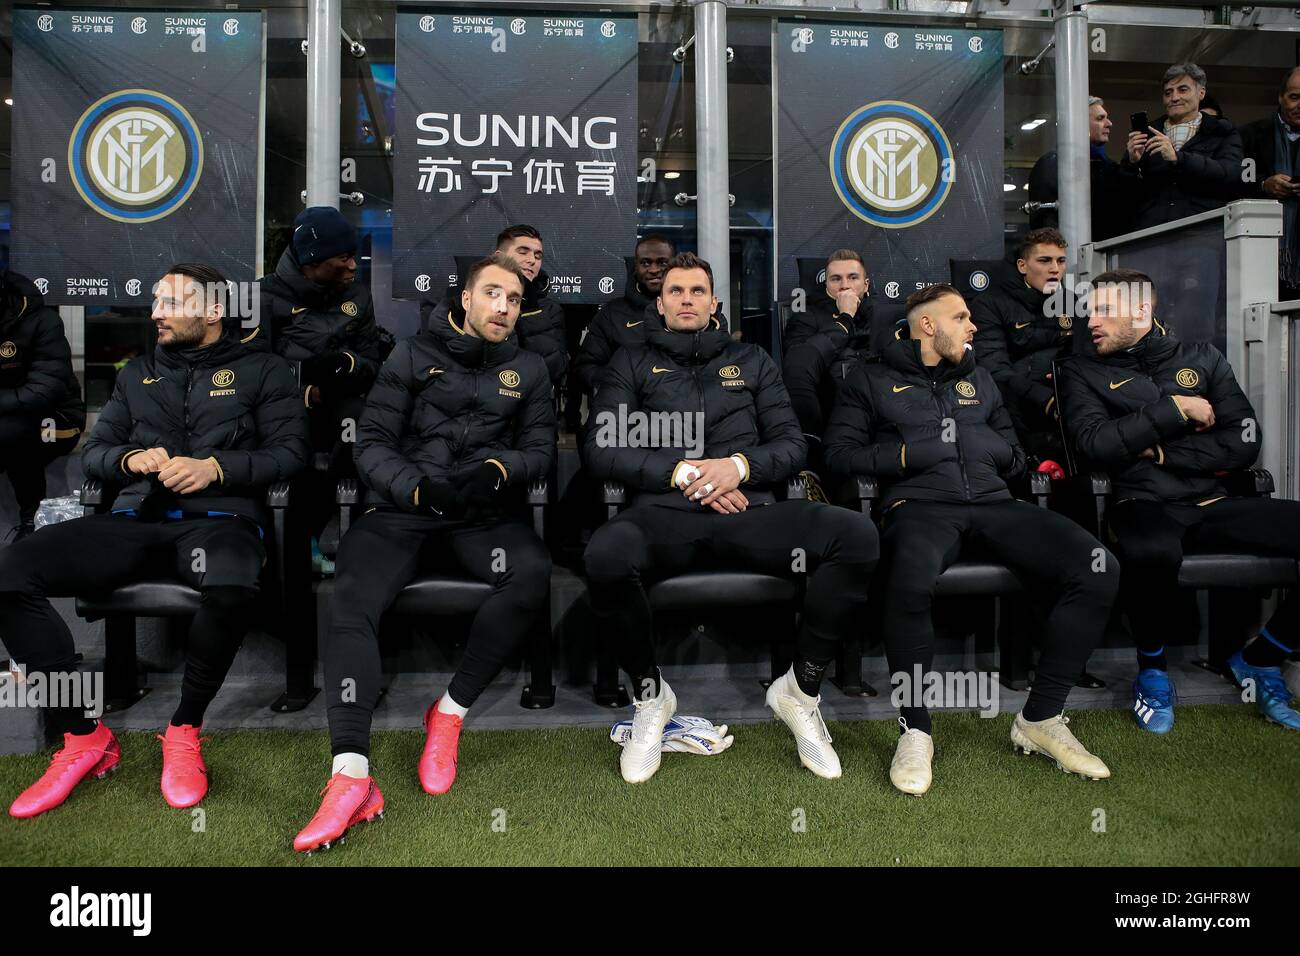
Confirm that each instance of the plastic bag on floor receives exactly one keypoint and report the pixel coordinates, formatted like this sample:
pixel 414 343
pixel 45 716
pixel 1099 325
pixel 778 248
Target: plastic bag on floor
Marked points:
pixel 54 510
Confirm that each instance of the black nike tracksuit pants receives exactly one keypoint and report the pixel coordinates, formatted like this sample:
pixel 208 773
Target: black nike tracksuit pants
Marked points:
pixel 1151 537
pixel 1051 553
pixel 833 548
pixel 378 557
pixel 221 557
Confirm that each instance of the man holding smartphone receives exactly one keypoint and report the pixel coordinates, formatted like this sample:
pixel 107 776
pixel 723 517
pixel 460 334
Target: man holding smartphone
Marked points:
pixel 1186 161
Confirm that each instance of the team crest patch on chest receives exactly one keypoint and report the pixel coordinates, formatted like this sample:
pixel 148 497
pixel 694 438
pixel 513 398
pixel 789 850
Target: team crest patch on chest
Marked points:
pixel 349 308
pixel 510 379
pixel 967 392
pixel 730 375
pixel 8 350
pixel 222 379
pixel 1065 321
pixel 1187 378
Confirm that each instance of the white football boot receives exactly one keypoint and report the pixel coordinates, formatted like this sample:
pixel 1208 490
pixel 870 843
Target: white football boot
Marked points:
pixel 1053 738
pixel 641 754
pixel 801 714
pixel 910 770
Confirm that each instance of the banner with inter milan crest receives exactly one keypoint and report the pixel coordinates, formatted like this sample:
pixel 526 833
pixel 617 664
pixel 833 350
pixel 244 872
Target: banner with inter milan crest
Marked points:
pixel 505 119
pixel 888 141
pixel 136 144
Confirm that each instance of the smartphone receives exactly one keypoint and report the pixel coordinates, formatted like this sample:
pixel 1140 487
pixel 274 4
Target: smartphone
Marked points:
pixel 1138 122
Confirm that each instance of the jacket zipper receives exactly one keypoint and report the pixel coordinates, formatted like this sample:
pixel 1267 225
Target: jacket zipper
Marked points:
pixel 189 385
pixel 961 460
pixel 695 374
pixel 464 435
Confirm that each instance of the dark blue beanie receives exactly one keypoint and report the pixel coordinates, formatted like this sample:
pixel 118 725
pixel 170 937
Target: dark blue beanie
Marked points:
pixel 320 233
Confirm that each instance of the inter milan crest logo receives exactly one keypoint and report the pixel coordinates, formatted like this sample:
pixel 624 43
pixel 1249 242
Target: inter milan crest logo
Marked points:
pixel 891 164
pixel 135 155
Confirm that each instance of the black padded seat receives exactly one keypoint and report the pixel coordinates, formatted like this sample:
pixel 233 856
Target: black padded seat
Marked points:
pixel 978 578
pixel 142 599
pixel 440 594
pixel 719 589
pixel 1236 571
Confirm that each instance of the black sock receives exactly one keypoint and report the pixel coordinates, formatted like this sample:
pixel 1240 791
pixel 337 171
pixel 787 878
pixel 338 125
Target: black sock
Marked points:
pixel 225 615
pixel 1155 659
pixel 645 686
pixel 808 675
pixel 1266 651
pixel 918 718
pixel 1041 706
pixel 69 720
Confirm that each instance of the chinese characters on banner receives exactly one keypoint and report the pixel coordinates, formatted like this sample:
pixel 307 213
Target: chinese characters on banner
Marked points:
pixel 507 119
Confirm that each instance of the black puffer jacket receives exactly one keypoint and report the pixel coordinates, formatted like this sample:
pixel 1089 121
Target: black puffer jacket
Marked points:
pixel 1016 341
pixel 224 401
pixel 540 327
pixel 619 322
pixel 892 419
pixel 445 403
pixel 813 344
pixel 735 387
pixel 1118 406
pixel 1112 193
pixel 300 319
pixel 1206 175
pixel 36 376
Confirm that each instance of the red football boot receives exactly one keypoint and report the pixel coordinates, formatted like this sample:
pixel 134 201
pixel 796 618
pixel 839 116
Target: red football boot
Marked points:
pixel 438 762
pixel 348 801
pixel 184 774
pixel 97 752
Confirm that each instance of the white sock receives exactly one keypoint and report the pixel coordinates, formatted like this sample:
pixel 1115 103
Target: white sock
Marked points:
pixel 798 691
pixel 448 706
pixel 351 765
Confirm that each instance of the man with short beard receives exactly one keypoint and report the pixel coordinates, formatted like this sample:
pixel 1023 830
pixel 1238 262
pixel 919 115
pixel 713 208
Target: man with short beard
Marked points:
pixel 1165 418
pixel 929 424
pixel 193 433
pixel 458 424
pixel 621 321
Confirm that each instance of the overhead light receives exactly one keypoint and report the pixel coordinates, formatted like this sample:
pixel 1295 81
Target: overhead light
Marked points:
pixel 1033 124
pixel 9 101
pixel 1008 187
pixel 673 174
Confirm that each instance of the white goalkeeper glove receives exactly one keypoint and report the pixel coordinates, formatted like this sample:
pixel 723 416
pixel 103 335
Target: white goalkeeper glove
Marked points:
pixel 684 735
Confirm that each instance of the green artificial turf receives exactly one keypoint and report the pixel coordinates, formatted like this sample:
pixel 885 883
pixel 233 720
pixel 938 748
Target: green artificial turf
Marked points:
pixel 1220 790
